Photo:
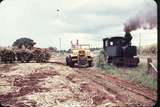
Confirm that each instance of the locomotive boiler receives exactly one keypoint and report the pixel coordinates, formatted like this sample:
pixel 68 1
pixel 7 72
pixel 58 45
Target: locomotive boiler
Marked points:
pixel 119 51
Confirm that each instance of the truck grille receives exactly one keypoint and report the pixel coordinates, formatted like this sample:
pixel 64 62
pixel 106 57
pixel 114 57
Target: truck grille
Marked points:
pixel 81 53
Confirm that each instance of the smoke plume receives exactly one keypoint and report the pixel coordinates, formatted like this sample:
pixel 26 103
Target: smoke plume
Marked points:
pixel 145 18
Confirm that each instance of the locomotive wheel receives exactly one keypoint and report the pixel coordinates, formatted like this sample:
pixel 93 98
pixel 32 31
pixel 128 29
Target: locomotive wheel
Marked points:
pixel 109 60
pixel 131 62
pixel 118 62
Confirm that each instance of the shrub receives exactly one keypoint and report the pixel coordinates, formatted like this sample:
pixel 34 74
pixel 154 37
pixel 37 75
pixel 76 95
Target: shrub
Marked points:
pixel 137 74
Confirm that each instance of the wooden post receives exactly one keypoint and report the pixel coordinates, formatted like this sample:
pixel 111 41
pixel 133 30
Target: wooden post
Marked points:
pixel 99 60
pixel 149 60
pixel 152 70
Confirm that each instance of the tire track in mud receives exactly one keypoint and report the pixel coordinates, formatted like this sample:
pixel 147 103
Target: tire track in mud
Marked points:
pixel 122 83
pixel 94 82
pixel 26 85
pixel 101 79
pixel 94 93
pixel 111 95
pixel 133 87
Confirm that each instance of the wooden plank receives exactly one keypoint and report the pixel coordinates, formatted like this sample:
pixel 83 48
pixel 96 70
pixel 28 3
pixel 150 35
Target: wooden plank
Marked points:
pixel 154 68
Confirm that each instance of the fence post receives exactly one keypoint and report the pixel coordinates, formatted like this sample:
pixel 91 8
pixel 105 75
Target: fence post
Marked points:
pixel 99 60
pixel 149 60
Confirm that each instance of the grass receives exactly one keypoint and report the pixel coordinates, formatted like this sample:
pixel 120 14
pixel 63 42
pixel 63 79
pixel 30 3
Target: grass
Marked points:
pixel 137 74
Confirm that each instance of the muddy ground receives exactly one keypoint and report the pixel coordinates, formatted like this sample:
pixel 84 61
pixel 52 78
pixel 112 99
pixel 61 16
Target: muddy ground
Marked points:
pixel 56 85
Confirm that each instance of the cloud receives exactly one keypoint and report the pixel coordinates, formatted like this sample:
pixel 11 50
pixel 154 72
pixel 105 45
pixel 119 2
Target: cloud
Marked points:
pixel 145 18
pixel 87 20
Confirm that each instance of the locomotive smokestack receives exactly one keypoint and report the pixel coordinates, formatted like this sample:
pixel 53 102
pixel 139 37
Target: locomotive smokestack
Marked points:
pixel 128 37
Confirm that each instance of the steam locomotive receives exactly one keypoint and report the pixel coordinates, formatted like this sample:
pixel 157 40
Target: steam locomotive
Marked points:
pixel 119 51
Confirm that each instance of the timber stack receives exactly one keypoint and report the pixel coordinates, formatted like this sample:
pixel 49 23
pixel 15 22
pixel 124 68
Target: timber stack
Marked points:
pixel 7 55
pixel 41 55
pixel 24 55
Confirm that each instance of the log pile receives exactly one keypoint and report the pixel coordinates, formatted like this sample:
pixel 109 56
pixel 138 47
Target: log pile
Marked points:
pixel 47 55
pixel 24 55
pixel 41 55
pixel 7 55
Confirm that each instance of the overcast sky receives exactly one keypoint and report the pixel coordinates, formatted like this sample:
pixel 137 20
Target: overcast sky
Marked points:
pixel 87 20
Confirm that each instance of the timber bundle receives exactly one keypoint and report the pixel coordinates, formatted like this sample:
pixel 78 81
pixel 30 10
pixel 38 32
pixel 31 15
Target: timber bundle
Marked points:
pixel 7 55
pixel 41 55
pixel 24 55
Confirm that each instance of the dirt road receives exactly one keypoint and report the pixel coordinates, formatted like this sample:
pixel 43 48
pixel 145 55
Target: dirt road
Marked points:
pixel 57 85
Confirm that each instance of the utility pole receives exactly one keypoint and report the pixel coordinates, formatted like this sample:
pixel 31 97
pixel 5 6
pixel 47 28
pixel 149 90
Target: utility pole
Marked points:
pixel 60 45
pixel 58 12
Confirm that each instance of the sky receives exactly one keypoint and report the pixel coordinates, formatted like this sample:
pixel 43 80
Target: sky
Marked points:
pixel 87 20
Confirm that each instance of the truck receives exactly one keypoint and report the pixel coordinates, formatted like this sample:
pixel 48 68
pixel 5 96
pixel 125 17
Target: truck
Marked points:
pixel 80 55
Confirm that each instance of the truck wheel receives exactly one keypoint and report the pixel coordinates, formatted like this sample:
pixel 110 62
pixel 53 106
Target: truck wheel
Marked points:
pixel 71 64
pixel 67 61
pixel 90 63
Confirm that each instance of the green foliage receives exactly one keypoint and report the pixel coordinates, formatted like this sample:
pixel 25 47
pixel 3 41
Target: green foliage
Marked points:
pixel 137 74
pixel 53 49
pixel 27 42
pixel 100 60
pixel 94 49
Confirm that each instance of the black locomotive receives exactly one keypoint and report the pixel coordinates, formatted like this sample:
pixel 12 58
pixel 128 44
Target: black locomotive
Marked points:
pixel 119 51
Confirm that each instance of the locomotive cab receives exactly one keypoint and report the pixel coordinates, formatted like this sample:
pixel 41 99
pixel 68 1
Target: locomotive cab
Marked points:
pixel 119 51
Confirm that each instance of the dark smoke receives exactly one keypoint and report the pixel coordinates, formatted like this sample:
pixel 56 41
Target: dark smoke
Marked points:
pixel 145 18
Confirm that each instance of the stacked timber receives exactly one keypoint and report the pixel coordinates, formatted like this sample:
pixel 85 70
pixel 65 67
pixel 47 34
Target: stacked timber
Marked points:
pixel 24 55
pixel 47 55
pixel 41 55
pixel 7 55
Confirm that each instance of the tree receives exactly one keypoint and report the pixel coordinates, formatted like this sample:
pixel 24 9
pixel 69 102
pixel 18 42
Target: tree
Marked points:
pixel 53 49
pixel 1 1
pixel 26 42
